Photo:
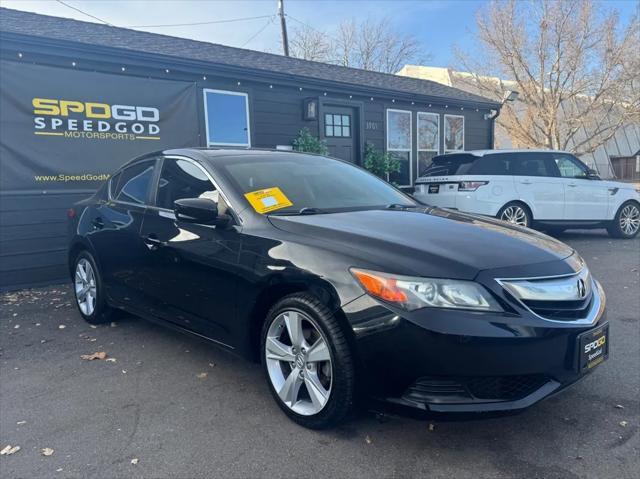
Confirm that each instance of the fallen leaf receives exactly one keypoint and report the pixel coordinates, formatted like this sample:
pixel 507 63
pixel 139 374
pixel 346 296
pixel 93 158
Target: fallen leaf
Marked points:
pixel 61 326
pixel 619 406
pixel 124 371
pixel 37 324
pixel 47 451
pixel 368 440
pixel 93 326
pixel 59 469
pixel 432 427
pixel 111 360
pixel 91 357
pixel 16 326
pixel 8 450
pixel 201 375
pixel 20 423
pixel 134 461
pixel 623 423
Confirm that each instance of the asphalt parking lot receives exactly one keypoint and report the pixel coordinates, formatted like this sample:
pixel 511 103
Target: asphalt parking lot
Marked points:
pixel 167 405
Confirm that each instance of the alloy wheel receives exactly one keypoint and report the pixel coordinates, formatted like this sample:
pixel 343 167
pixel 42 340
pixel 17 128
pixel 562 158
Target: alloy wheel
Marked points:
pixel 299 362
pixel 85 287
pixel 514 214
pixel 630 219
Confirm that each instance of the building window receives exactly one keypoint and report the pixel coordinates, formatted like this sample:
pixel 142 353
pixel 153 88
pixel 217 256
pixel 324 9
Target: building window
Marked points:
pixel 399 144
pixel 337 125
pixel 226 118
pixel 428 140
pixel 453 133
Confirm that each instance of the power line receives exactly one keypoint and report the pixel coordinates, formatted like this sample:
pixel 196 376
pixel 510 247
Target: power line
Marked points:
pixel 325 34
pixel 84 13
pixel 231 20
pixel 272 17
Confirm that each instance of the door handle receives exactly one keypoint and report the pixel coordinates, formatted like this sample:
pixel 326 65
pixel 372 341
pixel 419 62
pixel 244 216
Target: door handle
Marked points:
pixel 97 223
pixel 525 182
pixel 572 185
pixel 152 242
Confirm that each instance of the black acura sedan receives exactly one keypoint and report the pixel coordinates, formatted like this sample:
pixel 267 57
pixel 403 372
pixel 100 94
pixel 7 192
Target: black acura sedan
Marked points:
pixel 343 287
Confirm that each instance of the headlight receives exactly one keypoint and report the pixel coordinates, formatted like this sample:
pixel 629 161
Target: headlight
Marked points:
pixel 413 293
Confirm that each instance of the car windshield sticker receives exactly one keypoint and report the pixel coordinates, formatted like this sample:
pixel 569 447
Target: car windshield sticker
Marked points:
pixel 268 199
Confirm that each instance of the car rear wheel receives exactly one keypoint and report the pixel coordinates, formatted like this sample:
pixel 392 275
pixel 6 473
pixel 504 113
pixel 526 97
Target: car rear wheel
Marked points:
pixel 88 290
pixel 307 362
pixel 626 224
pixel 516 213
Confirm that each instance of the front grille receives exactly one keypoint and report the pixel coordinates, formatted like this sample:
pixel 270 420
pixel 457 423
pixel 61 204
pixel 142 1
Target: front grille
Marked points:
pixel 470 389
pixel 562 298
pixel 561 310
pixel 505 388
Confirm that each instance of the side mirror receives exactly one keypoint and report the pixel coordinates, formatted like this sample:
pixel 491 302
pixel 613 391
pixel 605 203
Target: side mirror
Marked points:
pixel 198 210
pixel 592 174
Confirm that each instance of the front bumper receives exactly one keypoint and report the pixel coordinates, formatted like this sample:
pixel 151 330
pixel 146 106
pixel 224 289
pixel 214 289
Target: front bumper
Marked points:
pixel 444 361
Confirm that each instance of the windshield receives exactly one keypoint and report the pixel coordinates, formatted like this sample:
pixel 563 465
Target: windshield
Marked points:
pixel 315 183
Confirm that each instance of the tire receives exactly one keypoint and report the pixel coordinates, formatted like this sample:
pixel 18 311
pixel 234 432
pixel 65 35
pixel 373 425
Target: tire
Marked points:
pixel 95 311
pixel 626 223
pixel 293 376
pixel 516 213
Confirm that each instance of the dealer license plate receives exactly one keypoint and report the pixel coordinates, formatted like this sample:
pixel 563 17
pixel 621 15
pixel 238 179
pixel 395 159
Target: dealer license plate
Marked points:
pixel 593 348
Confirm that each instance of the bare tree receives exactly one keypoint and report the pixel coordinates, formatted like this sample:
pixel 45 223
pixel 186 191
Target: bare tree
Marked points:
pixel 309 44
pixel 576 68
pixel 370 45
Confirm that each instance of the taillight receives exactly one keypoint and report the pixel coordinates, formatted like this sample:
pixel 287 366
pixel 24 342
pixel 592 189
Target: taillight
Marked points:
pixel 71 213
pixel 471 185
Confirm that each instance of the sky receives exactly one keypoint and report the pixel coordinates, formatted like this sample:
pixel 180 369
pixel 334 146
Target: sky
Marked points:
pixel 437 24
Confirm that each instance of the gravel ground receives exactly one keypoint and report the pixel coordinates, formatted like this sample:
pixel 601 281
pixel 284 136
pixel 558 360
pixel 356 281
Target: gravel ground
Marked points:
pixel 167 405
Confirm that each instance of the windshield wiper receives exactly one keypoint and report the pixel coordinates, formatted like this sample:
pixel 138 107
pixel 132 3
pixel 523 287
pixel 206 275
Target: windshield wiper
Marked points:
pixel 398 206
pixel 308 210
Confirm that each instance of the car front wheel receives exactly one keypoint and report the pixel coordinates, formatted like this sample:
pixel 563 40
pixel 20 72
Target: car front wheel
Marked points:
pixel 626 224
pixel 308 362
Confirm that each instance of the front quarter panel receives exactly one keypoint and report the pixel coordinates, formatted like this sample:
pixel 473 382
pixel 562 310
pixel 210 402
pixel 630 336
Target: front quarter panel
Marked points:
pixel 620 193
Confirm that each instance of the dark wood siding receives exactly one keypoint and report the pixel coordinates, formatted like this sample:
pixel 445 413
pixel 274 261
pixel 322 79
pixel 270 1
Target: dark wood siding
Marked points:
pixel 33 237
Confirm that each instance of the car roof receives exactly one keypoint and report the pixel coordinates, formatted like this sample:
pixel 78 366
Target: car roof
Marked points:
pixel 481 153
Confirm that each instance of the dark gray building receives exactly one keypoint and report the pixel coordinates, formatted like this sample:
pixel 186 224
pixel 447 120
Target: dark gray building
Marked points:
pixel 78 99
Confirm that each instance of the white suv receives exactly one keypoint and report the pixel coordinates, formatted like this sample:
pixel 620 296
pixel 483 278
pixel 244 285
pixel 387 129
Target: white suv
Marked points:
pixel 551 190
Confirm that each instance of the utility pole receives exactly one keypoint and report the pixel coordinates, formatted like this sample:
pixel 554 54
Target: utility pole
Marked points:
pixel 283 27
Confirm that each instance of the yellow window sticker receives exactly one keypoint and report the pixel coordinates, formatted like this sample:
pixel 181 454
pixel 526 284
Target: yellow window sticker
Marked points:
pixel 268 199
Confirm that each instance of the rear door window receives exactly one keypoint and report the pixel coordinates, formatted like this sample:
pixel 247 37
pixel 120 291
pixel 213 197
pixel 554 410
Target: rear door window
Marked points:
pixel 135 182
pixel 531 164
pixel 452 164
pixel 494 164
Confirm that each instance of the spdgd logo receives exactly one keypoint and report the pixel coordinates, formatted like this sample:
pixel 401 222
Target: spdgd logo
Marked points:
pixel 92 120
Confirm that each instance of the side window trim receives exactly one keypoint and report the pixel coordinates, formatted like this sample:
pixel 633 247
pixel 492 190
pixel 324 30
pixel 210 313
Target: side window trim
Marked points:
pixel 119 174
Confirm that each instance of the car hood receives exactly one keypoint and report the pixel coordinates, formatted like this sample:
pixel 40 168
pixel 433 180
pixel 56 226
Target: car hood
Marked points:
pixel 432 241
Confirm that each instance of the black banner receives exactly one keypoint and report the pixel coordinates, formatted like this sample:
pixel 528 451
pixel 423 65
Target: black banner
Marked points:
pixel 69 129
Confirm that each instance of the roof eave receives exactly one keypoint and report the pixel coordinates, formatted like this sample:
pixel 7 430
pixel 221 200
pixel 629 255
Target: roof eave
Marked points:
pixel 202 66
